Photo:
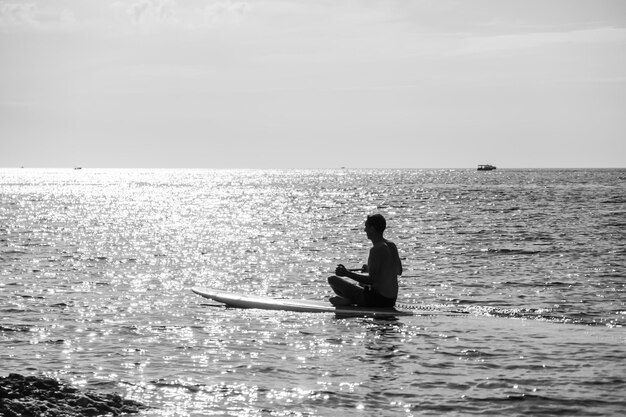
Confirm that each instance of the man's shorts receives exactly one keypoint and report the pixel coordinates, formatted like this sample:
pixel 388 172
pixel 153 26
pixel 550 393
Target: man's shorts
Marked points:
pixel 374 299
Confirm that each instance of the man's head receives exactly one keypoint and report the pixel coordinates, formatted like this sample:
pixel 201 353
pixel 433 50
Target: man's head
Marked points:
pixel 377 222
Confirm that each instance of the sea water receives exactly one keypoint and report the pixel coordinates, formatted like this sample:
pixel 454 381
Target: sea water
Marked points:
pixel 96 268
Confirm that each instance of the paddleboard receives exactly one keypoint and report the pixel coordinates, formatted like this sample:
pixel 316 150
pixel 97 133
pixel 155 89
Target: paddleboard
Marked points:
pixel 231 299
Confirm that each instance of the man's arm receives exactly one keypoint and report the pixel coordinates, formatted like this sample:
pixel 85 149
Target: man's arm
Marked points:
pixel 341 271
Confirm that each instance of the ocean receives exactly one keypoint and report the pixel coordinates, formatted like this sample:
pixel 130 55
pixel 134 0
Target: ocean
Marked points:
pixel 97 266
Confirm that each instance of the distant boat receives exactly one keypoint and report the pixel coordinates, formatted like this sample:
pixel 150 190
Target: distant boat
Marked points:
pixel 78 167
pixel 486 167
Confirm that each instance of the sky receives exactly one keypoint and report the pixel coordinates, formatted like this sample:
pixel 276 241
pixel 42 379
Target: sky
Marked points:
pixel 313 83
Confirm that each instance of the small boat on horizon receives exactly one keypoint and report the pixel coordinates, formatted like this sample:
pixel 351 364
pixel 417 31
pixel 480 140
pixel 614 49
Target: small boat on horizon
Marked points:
pixel 486 167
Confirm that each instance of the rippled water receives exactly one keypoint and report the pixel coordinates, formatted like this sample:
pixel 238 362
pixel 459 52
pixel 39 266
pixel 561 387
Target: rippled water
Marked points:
pixel 96 268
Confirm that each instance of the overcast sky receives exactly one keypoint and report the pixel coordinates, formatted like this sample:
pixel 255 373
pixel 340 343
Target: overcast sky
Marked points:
pixel 312 83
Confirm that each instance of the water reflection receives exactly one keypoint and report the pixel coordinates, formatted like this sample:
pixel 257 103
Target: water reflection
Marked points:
pixel 385 352
pixel 96 269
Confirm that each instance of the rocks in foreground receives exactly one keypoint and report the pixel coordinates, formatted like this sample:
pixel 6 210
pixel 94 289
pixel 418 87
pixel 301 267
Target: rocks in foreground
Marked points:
pixel 39 396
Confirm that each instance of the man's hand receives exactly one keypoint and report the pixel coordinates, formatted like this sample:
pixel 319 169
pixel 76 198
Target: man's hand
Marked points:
pixel 341 271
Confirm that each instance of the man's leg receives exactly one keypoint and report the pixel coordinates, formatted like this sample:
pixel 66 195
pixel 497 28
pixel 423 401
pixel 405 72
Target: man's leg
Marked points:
pixel 349 292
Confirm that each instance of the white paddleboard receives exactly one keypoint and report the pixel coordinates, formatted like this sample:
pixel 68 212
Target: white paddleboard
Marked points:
pixel 231 299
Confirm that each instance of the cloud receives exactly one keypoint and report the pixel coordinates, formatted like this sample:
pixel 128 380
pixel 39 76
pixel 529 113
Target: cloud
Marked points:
pixel 225 12
pixel 183 15
pixel 34 16
pixel 148 12
pixel 498 43
pixel 18 14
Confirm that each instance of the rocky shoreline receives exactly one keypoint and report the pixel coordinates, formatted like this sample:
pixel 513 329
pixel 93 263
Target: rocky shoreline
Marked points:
pixel 24 396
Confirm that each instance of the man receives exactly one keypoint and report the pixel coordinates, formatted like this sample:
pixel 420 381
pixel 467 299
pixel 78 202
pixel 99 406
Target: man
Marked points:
pixel 380 287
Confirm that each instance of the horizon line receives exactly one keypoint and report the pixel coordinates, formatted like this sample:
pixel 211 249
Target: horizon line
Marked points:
pixel 78 168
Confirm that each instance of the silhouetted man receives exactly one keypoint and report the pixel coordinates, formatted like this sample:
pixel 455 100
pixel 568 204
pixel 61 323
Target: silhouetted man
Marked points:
pixel 380 287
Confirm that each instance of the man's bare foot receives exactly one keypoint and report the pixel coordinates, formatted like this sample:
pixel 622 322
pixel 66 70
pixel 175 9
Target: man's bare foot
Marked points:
pixel 340 301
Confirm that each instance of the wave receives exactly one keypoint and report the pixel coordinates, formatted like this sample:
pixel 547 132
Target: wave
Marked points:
pixel 546 314
pixel 557 314
pixel 16 328
pixel 504 251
